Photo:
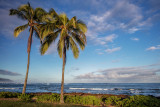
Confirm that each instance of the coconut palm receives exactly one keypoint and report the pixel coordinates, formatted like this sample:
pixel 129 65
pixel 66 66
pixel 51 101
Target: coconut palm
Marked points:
pixel 33 18
pixel 71 33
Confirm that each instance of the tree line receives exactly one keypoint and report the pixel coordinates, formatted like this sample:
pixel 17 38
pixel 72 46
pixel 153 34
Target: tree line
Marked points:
pixel 49 27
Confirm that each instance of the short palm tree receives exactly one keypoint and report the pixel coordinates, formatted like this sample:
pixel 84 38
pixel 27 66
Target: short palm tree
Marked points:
pixel 71 33
pixel 33 17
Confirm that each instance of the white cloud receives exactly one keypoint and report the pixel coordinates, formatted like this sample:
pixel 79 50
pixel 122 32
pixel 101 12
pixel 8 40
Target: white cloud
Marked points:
pixel 123 15
pixel 113 50
pixel 104 40
pixel 124 74
pixel 133 30
pixel 135 39
pixel 153 48
pixel 110 38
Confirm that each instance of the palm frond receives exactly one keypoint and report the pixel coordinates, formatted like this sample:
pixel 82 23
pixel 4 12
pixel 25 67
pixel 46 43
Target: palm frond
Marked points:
pixel 72 22
pixel 53 13
pixel 74 48
pixel 48 19
pixel 18 13
pixel 82 26
pixel 39 13
pixel 27 10
pixel 19 29
pixel 46 29
pixel 63 18
pixel 67 42
pixel 60 48
pixel 47 42
pixel 38 33
pixel 79 40
pixel 80 33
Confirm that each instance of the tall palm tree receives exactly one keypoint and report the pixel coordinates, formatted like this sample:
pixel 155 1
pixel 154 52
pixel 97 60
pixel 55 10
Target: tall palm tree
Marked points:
pixel 71 33
pixel 33 17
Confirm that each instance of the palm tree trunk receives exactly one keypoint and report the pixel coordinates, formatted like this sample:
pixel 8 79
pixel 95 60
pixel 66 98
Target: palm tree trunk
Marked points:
pixel 28 50
pixel 62 82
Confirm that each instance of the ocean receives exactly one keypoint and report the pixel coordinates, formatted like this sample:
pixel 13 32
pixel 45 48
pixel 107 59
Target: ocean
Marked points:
pixel 95 88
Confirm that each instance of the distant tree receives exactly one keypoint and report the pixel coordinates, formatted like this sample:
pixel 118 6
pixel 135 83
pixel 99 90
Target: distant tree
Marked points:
pixel 70 32
pixel 33 18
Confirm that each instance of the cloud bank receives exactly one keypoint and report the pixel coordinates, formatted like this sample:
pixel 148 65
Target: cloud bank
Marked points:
pixel 3 80
pixel 5 72
pixel 124 75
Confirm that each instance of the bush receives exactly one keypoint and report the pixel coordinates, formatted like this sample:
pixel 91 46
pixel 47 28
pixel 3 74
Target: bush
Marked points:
pixel 25 97
pixel 133 101
pixel 50 98
pixel 84 100
pixel 141 101
pixel 113 100
pixel 9 95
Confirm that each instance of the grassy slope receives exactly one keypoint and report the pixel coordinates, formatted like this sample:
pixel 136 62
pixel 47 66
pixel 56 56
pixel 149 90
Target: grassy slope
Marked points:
pixel 8 103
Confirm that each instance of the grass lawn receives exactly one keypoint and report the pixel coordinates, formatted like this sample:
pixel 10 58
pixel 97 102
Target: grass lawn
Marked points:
pixel 8 103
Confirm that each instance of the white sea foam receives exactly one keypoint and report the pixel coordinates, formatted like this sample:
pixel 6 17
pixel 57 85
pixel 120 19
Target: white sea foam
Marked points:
pixel 9 88
pixel 131 89
pixel 88 89
pixel 78 88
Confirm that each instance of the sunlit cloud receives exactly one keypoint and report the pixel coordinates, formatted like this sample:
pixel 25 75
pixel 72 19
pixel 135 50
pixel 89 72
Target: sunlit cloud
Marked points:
pixel 153 48
pixel 113 50
pixel 135 39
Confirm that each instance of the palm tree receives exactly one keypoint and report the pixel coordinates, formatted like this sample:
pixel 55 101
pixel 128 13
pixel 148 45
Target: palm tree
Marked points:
pixel 71 33
pixel 33 17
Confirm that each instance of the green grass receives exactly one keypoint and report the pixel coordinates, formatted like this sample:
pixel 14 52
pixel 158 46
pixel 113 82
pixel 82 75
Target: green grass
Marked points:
pixel 46 100
pixel 7 103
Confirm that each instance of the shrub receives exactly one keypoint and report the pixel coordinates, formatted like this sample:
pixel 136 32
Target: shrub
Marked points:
pixel 84 100
pixel 133 101
pixel 25 97
pixel 141 101
pixel 113 100
pixel 9 95
pixel 72 99
pixel 50 98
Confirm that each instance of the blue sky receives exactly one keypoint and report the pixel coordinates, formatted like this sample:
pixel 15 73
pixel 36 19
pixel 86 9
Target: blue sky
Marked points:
pixel 123 43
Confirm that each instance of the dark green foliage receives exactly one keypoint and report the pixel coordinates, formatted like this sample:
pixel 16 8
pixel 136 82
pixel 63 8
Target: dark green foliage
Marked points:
pixel 72 99
pixel 9 95
pixel 141 101
pixel 25 97
pixel 83 100
pixel 69 99
pixel 133 101
pixel 50 98
pixel 113 100
pixel 5 103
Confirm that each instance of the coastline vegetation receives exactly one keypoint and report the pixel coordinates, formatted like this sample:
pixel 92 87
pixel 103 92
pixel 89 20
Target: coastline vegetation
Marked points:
pixel 87 100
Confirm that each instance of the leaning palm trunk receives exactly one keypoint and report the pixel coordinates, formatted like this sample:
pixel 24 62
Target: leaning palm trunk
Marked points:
pixel 62 83
pixel 28 50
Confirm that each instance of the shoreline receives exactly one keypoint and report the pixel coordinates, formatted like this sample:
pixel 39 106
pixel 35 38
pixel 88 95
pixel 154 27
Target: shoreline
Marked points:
pixel 87 94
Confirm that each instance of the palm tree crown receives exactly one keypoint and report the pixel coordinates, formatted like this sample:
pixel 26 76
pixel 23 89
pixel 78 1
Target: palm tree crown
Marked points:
pixel 70 32
pixel 32 16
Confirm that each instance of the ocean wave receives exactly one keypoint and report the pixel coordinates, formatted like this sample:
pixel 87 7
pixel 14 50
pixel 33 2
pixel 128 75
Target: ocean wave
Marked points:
pixel 8 88
pixel 95 89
